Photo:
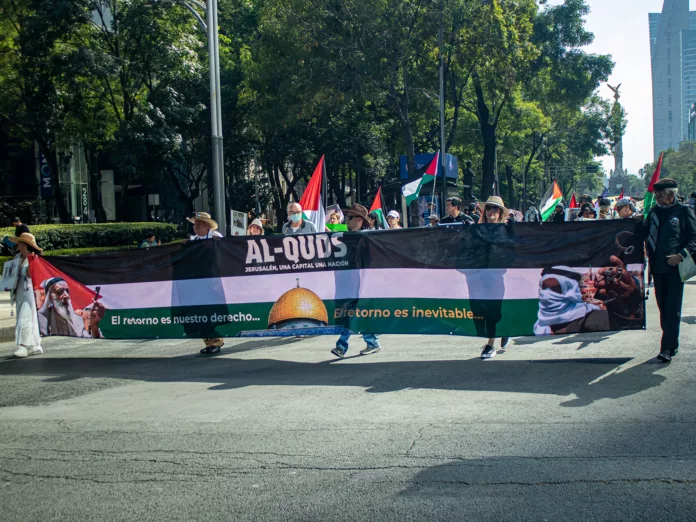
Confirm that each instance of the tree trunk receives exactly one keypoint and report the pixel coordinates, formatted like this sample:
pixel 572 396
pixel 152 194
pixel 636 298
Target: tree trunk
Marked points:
pixel 50 154
pixel 511 202
pixel 92 159
pixel 488 133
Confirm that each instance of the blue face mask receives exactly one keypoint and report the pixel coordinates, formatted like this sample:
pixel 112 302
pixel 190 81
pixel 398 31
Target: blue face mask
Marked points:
pixel 296 218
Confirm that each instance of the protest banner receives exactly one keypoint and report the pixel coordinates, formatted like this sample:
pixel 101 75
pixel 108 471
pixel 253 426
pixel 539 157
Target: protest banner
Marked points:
pixel 522 279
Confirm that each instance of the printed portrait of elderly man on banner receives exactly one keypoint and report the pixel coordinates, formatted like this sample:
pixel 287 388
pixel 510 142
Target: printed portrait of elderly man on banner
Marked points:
pixel 65 307
pixel 577 300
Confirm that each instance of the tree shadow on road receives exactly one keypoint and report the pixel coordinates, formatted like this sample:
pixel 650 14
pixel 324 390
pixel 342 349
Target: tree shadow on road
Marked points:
pixel 562 377
pixel 585 339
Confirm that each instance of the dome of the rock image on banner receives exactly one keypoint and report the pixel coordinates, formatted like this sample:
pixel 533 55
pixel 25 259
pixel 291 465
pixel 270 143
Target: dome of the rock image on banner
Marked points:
pixel 298 308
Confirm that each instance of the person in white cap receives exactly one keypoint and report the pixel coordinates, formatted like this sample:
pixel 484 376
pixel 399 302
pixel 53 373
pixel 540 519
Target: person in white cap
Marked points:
pixel 205 227
pixel 256 228
pixel 27 337
pixel 393 219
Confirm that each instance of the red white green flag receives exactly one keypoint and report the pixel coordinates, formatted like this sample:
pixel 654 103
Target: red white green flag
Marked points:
pixel 649 201
pixel 312 201
pixel 552 198
pixel 377 207
pixel 412 190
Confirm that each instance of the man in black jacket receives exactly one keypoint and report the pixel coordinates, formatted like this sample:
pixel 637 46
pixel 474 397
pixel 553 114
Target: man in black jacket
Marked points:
pixel 453 207
pixel 671 237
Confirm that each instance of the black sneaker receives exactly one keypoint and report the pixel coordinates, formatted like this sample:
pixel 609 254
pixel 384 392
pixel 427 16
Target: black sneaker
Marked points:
pixel 505 342
pixel 488 352
pixel 664 357
pixel 339 352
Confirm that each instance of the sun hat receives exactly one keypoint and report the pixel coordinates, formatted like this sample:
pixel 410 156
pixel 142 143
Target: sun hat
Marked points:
pixel 357 210
pixel 27 239
pixel 256 223
pixel 434 217
pixel 495 201
pixel 205 217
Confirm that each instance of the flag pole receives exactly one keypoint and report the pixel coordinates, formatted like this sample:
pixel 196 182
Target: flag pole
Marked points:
pixel 441 167
pixel 324 184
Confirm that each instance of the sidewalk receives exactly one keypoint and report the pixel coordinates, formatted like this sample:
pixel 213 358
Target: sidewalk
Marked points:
pixel 7 319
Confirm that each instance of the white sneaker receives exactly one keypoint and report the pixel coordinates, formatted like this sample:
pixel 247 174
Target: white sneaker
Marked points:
pixel 21 352
pixel 36 350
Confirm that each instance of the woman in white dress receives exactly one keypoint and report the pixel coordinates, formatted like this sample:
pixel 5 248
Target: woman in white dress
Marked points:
pixel 27 335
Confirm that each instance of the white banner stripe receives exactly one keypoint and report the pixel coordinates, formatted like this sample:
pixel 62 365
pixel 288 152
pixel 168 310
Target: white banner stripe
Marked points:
pixel 348 284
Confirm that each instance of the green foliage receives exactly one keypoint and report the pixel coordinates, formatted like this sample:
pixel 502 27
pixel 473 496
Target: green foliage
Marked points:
pixel 28 211
pixel 356 80
pixel 679 165
pixel 60 237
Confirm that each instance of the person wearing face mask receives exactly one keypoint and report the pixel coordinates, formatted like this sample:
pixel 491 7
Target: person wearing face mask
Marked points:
pixel 297 225
pixel 255 229
pixel 671 238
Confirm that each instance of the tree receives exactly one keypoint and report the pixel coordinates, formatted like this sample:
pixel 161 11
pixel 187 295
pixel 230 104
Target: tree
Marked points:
pixel 35 35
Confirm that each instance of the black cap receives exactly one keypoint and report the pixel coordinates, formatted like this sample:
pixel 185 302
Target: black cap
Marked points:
pixel 665 183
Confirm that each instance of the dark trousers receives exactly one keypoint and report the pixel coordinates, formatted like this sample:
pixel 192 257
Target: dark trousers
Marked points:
pixel 669 292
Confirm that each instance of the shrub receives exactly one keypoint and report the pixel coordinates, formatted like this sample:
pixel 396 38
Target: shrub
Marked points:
pixel 29 211
pixel 60 237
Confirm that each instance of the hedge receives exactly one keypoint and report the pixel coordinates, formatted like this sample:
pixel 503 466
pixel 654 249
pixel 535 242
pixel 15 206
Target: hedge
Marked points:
pixel 60 237
pixel 75 252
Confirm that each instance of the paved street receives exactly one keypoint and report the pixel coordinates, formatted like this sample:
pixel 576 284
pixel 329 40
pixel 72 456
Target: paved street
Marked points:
pixel 572 428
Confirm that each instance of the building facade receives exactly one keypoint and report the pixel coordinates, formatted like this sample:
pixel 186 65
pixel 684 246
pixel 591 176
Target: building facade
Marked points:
pixel 673 60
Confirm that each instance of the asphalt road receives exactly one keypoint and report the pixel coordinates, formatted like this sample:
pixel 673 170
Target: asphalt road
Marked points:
pixel 572 428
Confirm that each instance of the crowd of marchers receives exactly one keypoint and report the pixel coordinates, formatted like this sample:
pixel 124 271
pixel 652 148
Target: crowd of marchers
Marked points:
pixel 669 229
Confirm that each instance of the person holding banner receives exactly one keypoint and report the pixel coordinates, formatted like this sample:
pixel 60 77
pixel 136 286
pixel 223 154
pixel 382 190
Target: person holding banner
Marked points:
pixel 256 228
pixel 357 221
pixel 27 337
pixel 393 219
pixel 297 225
pixel 671 238
pixel 625 209
pixel 490 310
pixel 205 227
pixel 453 207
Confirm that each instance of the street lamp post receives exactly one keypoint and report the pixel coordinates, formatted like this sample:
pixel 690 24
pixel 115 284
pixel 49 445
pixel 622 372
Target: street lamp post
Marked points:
pixel 210 27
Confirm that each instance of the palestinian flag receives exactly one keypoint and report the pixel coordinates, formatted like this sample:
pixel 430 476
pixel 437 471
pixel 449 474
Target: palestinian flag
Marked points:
pixel 573 202
pixel 312 201
pixel 649 201
pixel 621 196
pixel 552 198
pixel 44 273
pixel 412 189
pixel 377 207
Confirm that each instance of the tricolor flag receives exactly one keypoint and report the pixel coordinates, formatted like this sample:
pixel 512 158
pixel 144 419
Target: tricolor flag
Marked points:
pixel 377 208
pixel 312 201
pixel 552 198
pixel 573 202
pixel 621 196
pixel 412 189
pixel 650 192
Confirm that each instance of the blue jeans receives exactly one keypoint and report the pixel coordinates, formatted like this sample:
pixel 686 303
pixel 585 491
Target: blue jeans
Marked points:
pixel 370 339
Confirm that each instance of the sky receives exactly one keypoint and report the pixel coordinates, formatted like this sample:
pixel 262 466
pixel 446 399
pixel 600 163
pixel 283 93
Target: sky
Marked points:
pixel 621 30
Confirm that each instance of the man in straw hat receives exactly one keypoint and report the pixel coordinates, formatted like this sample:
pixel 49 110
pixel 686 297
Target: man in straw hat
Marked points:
pixel 205 227
pixel 57 316
pixel 671 238
pixel 27 336
pixel 357 221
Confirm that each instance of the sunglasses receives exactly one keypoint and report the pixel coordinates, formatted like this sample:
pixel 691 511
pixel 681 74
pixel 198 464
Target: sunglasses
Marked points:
pixel 490 208
pixel 350 218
